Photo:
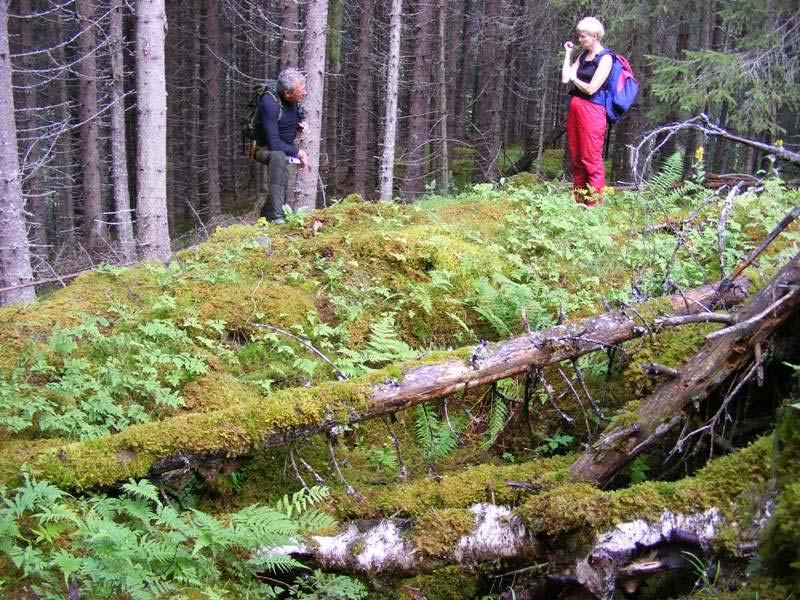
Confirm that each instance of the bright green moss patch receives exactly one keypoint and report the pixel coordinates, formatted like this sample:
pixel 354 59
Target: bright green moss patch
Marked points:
pixel 481 483
pixel 580 507
pixel 438 531
pixel 448 583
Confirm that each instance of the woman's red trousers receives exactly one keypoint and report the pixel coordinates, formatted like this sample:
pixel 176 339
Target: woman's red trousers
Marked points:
pixel 586 132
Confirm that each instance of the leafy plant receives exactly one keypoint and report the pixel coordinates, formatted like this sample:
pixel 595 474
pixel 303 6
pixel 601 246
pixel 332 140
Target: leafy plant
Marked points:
pixel 384 457
pixel 91 381
pixel 327 586
pixel 437 437
pixel 384 345
pixel 555 443
pixel 137 546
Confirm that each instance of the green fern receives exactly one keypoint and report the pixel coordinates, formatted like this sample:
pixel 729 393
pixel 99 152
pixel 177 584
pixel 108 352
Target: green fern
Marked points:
pixel 138 547
pixel 497 421
pixel 437 437
pixel 383 346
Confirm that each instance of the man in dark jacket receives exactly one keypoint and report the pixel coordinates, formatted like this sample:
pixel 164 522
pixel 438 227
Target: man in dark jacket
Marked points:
pixel 277 121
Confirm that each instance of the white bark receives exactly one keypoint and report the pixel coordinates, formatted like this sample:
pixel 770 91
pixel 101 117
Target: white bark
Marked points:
pixel 119 163
pixel 15 262
pixel 151 154
pixel 386 176
pixel 314 64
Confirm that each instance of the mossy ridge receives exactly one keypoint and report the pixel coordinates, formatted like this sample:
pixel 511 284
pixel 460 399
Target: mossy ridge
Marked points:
pixel 480 483
pixel 580 508
pixel 234 429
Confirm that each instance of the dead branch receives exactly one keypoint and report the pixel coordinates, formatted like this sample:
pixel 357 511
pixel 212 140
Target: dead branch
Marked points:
pixel 719 359
pixel 657 138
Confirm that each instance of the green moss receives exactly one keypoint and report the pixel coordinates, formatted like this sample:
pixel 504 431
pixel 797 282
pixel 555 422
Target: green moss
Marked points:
pixel 449 583
pixel 725 483
pixel 481 483
pixel 781 539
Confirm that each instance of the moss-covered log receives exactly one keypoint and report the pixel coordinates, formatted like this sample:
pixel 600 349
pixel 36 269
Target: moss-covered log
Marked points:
pixel 185 444
pixel 725 354
pixel 560 533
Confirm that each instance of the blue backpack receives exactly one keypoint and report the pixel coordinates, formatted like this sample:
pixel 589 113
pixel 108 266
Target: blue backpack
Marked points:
pixel 621 88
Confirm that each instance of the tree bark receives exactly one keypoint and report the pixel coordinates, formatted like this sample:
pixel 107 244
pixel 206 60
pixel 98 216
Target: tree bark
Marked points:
pixel 33 167
pixel 721 357
pixel 361 158
pixel 386 176
pixel 488 121
pixel 119 155
pixel 15 261
pixel 93 222
pixel 291 34
pixel 419 105
pixel 314 64
pixel 444 118
pixel 151 100
pixel 329 162
pixel 213 94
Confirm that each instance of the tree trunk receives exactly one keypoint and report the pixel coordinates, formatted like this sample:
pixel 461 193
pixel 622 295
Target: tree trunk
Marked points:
pixel 202 437
pixel 119 160
pixel 33 169
pixel 213 94
pixel 466 67
pixel 444 160
pixel 291 34
pixel 386 176
pixel 419 106
pixel 720 358
pixel 489 98
pixel 93 222
pixel 314 64
pixel 151 154
pixel 15 261
pixel 363 102
pixel 330 160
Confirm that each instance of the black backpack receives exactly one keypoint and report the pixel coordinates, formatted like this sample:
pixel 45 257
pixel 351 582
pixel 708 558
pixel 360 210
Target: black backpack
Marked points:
pixel 249 134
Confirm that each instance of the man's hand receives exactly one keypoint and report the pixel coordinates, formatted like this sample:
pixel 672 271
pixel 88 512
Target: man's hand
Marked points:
pixel 301 126
pixel 568 46
pixel 301 154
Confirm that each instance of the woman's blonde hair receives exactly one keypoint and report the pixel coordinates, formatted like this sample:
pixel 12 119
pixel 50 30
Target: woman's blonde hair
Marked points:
pixel 592 26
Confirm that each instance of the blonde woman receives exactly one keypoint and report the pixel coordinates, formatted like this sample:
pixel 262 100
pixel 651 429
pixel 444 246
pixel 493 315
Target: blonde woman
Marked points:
pixel 586 117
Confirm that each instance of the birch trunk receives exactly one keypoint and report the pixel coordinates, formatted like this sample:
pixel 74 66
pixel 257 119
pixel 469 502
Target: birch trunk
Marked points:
pixel 386 177
pixel 15 261
pixel 120 456
pixel 151 154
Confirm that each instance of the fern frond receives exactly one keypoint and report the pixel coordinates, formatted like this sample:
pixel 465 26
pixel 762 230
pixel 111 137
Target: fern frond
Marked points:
pixel 497 420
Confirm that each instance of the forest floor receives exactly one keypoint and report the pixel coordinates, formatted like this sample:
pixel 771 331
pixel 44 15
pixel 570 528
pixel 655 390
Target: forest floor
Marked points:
pixel 212 376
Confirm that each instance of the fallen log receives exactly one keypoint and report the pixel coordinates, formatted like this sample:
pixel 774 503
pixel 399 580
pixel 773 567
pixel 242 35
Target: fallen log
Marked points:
pixel 182 445
pixel 606 540
pixel 727 352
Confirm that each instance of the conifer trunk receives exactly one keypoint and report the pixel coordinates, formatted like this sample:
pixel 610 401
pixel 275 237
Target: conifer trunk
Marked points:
pixel 15 262
pixel 151 153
